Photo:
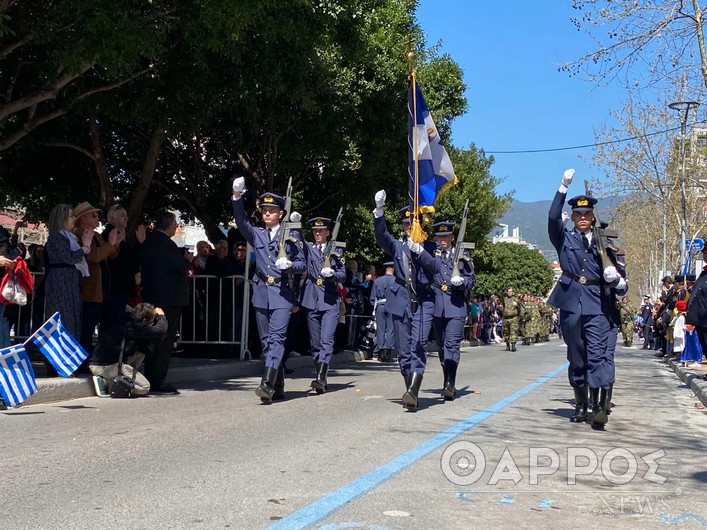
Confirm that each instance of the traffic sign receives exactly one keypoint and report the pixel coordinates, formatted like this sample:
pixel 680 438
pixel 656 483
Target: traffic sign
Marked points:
pixel 697 244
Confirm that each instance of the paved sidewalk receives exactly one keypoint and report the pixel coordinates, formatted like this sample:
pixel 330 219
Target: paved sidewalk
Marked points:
pixel 694 378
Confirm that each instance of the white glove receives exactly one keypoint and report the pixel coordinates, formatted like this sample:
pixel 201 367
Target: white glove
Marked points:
pixel 565 218
pixel 611 274
pixel 621 286
pixel 414 247
pixel 283 263
pixel 457 281
pixel 567 177
pixel 295 217
pixel 239 185
pixel 327 272
pixel 380 199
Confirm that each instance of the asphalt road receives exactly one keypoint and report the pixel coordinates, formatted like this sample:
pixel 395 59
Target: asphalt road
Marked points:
pixel 503 455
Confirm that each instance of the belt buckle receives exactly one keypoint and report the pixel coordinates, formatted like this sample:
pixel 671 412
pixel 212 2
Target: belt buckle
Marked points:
pixel 271 280
pixel 320 281
pixel 582 280
pixel 444 287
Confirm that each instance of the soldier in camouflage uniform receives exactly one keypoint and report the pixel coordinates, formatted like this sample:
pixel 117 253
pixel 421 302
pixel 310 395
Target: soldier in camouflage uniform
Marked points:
pixel 546 314
pixel 534 319
pixel 524 319
pixel 511 314
pixel 626 315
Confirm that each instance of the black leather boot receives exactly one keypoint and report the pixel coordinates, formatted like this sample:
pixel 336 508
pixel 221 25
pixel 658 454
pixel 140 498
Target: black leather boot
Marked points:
pixel 410 396
pixel 609 393
pixel 279 386
pixel 508 346
pixel 320 383
pixel 599 417
pixel 513 346
pixel 581 403
pixel 629 343
pixel 449 391
pixel 267 385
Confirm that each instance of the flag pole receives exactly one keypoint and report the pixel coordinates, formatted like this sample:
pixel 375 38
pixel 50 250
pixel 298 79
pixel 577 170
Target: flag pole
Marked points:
pixel 416 233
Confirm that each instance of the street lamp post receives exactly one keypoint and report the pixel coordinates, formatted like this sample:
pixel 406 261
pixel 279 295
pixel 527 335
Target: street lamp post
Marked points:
pixel 683 108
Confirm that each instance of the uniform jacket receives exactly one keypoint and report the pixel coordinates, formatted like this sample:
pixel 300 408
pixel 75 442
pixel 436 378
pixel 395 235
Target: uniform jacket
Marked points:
pixel 569 294
pixel 425 266
pixel 319 293
pixel 274 293
pixel 381 286
pixel 450 301
pixel 164 272
pixel 697 305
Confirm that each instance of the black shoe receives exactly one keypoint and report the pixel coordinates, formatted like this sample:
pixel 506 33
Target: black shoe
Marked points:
pixel 410 396
pixel 609 393
pixel 508 347
pixel 581 403
pixel 164 388
pixel 320 383
pixel 513 346
pixel 267 385
pixel 279 386
pixel 449 391
pixel 599 416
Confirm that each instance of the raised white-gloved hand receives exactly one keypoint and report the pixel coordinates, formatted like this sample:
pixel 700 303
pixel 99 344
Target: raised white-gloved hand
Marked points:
pixel 283 263
pixel 567 177
pixel 295 217
pixel 457 281
pixel 239 185
pixel 621 285
pixel 414 247
pixel 327 272
pixel 380 198
pixel 611 274
pixel 565 218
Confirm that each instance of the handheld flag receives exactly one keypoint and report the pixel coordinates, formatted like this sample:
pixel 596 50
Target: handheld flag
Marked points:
pixel 58 346
pixel 429 169
pixel 17 381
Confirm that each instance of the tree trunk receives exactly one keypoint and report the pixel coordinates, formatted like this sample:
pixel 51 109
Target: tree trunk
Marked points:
pixel 148 172
pixel 99 159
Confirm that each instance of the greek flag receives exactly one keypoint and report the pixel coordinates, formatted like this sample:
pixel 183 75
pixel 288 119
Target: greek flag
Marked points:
pixel 16 375
pixel 58 346
pixel 430 168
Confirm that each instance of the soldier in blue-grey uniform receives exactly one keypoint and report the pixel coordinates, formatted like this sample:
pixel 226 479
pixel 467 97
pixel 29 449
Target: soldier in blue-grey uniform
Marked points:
pixel 450 304
pixel 385 340
pixel 320 298
pixel 273 293
pixel 410 300
pixel 586 296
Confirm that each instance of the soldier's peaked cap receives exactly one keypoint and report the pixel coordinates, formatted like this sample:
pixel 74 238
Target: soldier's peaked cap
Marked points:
pixel 582 203
pixel 318 223
pixel 272 199
pixel 443 228
pixel 389 264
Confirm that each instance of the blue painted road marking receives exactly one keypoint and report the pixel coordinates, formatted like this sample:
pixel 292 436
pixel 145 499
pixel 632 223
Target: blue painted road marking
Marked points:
pixel 337 499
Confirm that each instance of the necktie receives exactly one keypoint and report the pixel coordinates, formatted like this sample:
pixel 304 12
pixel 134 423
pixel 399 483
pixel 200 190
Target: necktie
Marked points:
pixel 585 241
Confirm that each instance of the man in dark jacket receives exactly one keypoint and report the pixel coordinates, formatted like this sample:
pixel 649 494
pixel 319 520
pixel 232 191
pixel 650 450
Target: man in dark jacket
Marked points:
pixel 697 305
pixel 165 269
pixel 140 328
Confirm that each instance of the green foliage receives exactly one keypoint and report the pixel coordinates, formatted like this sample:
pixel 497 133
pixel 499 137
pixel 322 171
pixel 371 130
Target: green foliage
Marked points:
pixel 501 265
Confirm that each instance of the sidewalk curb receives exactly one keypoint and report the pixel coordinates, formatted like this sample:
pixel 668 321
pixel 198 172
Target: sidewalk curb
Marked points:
pixel 53 389
pixel 694 382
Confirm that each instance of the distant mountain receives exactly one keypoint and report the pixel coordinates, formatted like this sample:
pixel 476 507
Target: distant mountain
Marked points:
pixel 531 219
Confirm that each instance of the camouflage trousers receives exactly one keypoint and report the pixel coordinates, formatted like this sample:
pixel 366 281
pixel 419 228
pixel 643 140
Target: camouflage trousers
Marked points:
pixel 510 329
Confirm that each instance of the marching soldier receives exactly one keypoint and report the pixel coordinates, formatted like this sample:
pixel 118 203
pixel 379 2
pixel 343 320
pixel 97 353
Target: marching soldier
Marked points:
pixel 385 341
pixel 587 314
pixel 273 296
pixel 320 297
pixel 450 305
pixel 524 319
pixel 410 300
pixel 511 315
pixel 626 315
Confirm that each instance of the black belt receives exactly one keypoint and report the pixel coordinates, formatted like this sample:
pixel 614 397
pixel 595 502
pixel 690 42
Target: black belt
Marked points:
pixel 61 266
pixel 268 279
pixel 417 286
pixel 443 287
pixel 581 279
pixel 318 280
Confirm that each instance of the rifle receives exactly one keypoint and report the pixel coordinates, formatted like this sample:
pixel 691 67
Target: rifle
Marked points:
pixel 460 246
pixel 332 245
pixel 287 226
pixel 604 237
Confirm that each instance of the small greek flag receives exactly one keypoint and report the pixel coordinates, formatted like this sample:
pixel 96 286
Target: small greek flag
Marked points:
pixel 16 375
pixel 58 346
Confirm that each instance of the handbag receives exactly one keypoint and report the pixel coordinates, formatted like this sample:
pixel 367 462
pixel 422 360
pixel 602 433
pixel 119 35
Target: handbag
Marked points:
pixel 122 386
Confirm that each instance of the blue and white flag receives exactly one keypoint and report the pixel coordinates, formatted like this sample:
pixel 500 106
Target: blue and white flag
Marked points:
pixel 59 346
pixel 430 168
pixel 16 375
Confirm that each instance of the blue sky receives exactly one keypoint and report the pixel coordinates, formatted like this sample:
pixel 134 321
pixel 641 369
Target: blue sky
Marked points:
pixel 510 51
